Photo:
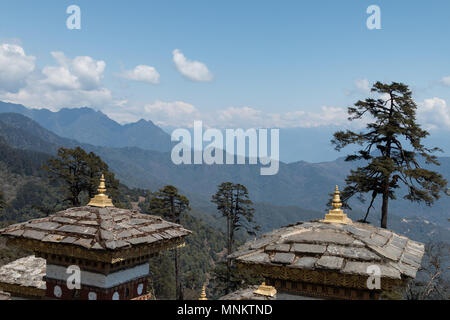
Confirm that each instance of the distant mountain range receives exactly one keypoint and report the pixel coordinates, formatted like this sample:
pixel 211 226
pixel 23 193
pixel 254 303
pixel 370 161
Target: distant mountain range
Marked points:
pixel 89 126
pixel 299 191
pixel 94 127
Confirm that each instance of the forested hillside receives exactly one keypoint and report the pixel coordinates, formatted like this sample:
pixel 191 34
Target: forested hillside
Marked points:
pixel 299 192
pixel 29 194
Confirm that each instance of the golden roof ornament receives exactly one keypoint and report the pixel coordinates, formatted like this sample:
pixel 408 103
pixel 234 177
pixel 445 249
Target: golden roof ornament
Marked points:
pixel 265 290
pixel 101 200
pixel 203 294
pixel 337 215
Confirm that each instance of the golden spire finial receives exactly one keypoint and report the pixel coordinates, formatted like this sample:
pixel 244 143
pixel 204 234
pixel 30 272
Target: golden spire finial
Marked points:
pixel 203 294
pixel 337 215
pixel 102 187
pixel 101 199
pixel 337 199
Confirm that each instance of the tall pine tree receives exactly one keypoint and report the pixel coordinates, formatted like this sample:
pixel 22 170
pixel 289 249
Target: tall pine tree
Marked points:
pixel 392 148
pixel 234 204
pixel 172 205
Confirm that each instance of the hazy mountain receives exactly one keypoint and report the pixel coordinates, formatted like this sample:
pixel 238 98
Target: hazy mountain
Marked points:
pixel 89 126
pixel 299 185
pixel 313 144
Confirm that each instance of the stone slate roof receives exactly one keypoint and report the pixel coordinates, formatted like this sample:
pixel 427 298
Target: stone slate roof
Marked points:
pixel 24 272
pixel 345 248
pixel 96 228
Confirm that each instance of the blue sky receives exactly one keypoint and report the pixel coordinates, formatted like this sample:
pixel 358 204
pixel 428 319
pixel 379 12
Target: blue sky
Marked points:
pixel 268 63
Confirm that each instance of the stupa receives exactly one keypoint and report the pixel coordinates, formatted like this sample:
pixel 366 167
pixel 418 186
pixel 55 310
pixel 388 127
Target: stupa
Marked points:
pixel 108 247
pixel 333 258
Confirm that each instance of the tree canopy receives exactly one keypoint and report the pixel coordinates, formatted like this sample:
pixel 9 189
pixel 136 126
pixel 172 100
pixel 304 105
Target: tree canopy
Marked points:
pixel 392 149
pixel 172 205
pixel 233 202
pixel 80 173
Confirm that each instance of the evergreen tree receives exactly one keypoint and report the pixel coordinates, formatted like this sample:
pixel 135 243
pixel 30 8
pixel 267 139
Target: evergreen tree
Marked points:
pixel 80 173
pixel 391 147
pixel 172 205
pixel 233 203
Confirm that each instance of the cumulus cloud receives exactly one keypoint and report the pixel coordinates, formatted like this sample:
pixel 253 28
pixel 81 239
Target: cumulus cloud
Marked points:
pixel 248 117
pixel 15 67
pixel 88 71
pixel 172 114
pixel 82 72
pixel 193 70
pixel 142 73
pixel 434 113
pixel 70 83
pixel 182 114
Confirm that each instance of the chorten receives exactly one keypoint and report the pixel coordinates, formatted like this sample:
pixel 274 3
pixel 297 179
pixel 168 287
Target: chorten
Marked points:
pixel 333 258
pixel 95 252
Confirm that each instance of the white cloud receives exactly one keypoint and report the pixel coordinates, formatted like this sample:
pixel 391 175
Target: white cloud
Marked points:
pixel 362 85
pixel 434 113
pixel 172 114
pixel 142 73
pixel 88 71
pixel 82 73
pixel 15 67
pixel 248 117
pixel 446 81
pixel 182 114
pixel 71 83
pixel 60 78
pixel 193 70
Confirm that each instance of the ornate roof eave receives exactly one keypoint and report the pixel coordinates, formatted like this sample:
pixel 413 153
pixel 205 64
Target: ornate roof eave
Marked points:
pixel 319 277
pixel 107 256
pixel 22 291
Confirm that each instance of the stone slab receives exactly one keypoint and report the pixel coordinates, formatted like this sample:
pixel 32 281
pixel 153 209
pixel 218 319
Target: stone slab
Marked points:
pixel 305 263
pixel 353 253
pixel 283 258
pixel 330 262
pixel 308 248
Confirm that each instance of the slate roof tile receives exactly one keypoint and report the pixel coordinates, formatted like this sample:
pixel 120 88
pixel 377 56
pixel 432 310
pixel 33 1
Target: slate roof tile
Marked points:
pixel 84 226
pixel 346 248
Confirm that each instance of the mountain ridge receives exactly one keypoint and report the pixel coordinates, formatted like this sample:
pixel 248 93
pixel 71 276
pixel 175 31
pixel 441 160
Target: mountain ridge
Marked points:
pixel 87 125
pixel 301 184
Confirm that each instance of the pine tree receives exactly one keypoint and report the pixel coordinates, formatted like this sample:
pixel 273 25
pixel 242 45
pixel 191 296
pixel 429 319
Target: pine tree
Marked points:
pixel 172 205
pixel 233 203
pixel 80 173
pixel 392 148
